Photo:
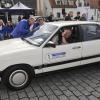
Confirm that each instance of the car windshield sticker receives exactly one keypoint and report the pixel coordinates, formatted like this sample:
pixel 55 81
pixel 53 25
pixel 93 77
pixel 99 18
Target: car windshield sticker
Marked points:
pixel 57 55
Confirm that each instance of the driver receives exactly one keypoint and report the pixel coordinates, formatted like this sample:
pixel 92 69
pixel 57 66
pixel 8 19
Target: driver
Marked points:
pixel 66 34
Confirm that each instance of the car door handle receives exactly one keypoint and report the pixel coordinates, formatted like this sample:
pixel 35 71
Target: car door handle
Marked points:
pixel 76 47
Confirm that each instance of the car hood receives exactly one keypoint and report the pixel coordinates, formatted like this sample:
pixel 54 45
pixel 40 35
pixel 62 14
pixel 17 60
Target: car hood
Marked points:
pixel 13 45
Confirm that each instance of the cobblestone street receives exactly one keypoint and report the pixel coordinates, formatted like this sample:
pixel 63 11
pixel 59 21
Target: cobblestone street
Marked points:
pixel 82 83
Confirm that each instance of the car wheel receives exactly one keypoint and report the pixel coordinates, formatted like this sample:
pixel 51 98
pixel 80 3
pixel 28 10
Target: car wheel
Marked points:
pixel 17 77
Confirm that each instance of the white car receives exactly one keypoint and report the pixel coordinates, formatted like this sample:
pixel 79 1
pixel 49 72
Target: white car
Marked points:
pixel 22 58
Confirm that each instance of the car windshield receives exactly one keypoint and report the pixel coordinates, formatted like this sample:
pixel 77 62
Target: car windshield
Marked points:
pixel 41 35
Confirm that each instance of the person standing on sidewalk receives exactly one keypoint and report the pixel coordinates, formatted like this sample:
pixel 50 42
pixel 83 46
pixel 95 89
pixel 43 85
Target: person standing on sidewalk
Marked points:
pixel 69 16
pixel 2 30
pixel 21 29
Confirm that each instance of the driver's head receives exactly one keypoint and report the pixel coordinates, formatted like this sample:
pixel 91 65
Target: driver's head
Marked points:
pixel 66 33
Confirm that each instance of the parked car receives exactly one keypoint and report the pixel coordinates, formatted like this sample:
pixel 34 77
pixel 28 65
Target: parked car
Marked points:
pixel 21 58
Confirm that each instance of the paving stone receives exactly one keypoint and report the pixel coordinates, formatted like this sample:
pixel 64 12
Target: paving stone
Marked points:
pixel 43 98
pixel 35 98
pixel 14 97
pixel 68 93
pixel 4 99
pixel 71 88
pixel 12 92
pixel 90 89
pixel 49 92
pixel 80 88
pixel 85 92
pixel 74 83
pixel 82 97
pixel 53 87
pixel 31 94
pixel 52 97
pixel 67 84
pixel 40 94
pixel 37 89
pixel 28 89
pixel 77 93
pixel 4 96
pixel 96 94
pixel 98 89
pixel 22 95
pixel 24 99
pixel 92 98
pixel 63 97
pixel 57 92
pixel 62 88
pixel 73 98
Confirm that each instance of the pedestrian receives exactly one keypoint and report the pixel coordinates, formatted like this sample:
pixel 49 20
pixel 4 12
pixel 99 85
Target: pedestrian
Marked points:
pixel 69 17
pixel 21 29
pixel 41 23
pixel 2 30
pixel 50 18
pixel 78 16
pixel 83 17
pixel 92 18
pixel 32 23
pixel 9 29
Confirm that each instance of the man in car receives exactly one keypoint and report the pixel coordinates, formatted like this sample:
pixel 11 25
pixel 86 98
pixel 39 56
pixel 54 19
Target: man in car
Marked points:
pixel 66 36
pixel 63 38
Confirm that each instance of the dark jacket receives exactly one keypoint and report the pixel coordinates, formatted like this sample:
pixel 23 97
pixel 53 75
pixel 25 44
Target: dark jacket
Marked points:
pixel 9 29
pixel 3 31
pixel 77 18
pixel 68 18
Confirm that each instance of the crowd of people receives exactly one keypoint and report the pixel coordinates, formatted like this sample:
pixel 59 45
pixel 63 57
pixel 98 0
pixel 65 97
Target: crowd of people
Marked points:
pixel 69 16
pixel 27 25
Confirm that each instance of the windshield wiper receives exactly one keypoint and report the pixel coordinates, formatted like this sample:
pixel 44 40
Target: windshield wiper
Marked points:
pixel 27 41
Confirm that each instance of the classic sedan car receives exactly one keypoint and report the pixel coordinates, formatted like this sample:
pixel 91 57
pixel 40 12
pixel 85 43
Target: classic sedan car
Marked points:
pixel 22 58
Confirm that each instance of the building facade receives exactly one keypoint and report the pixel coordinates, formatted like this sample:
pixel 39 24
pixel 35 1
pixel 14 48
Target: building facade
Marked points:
pixel 58 7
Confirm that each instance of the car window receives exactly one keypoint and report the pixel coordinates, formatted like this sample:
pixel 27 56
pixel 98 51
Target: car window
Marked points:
pixel 74 35
pixel 41 35
pixel 90 32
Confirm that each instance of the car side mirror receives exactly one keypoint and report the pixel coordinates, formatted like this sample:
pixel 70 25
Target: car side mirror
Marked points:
pixel 50 44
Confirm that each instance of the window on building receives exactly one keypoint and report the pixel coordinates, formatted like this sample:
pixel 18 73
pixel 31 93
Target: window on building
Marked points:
pixel 58 2
pixel 71 2
pixel 86 3
pixel 79 3
pixel 58 14
pixel 65 2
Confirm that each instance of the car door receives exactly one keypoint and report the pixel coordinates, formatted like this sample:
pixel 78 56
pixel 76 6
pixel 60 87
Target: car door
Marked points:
pixel 91 43
pixel 63 55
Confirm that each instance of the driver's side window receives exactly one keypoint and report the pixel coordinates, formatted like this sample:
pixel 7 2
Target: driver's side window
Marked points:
pixel 65 35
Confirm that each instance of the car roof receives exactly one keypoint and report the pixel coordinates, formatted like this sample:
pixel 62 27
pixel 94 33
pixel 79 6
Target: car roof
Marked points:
pixel 67 23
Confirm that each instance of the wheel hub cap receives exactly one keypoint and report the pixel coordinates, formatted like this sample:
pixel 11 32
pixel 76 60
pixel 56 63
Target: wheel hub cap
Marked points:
pixel 18 78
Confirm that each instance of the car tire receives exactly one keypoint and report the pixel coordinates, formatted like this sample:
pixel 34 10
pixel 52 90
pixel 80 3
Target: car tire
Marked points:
pixel 17 77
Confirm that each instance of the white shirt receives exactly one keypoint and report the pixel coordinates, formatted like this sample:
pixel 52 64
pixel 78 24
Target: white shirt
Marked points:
pixel 31 27
pixel 0 27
